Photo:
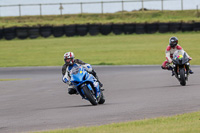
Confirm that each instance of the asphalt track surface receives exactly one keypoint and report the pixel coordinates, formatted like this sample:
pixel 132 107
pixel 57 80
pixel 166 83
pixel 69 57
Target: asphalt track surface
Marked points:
pixel 39 101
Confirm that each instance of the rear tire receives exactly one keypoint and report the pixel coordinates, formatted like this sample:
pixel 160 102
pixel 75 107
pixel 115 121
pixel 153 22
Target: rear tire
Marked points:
pixel 102 99
pixel 182 77
pixel 90 96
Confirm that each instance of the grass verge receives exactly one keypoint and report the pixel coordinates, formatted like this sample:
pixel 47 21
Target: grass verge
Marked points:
pixel 120 17
pixel 145 49
pixel 184 123
pixel 13 79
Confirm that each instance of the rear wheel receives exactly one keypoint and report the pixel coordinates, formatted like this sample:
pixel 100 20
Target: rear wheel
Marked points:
pixel 182 77
pixel 90 96
pixel 102 99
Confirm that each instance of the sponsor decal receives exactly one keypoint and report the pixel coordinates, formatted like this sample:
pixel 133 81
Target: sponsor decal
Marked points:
pixel 180 56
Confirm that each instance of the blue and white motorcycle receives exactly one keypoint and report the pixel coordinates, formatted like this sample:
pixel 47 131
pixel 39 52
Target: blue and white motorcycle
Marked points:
pixel 86 85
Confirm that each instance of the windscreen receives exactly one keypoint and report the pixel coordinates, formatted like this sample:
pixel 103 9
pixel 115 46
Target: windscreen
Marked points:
pixel 178 54
pixel 74 70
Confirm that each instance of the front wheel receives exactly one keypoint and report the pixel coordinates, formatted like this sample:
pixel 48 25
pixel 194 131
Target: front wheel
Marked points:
pixel 182 77
pixel 91 97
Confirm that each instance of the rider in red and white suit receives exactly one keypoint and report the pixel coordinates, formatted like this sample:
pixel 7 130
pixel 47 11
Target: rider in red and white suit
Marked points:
pixel 171 48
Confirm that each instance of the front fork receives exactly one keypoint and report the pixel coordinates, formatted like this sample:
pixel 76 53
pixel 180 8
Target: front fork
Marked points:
pixel 96 93
pixel 176 69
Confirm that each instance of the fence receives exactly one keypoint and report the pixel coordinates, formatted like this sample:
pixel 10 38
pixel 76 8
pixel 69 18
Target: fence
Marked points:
pixel 88 7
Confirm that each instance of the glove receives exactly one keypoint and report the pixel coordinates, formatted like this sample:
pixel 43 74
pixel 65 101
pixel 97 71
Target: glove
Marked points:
pixel 65 80
pixel 190 58
pixel 169 60
pixel 88 67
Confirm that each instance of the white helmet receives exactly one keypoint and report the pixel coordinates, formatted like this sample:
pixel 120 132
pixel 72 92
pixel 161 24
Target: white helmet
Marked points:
pixel 69 58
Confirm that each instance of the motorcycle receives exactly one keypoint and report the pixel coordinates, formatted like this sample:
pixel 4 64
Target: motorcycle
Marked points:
pixel 86 85
pixel 181 66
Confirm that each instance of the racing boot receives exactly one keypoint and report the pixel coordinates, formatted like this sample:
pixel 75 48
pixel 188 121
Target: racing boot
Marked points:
pixel 72 90
pixel 163 67
pixel 190 71
pixel 100 84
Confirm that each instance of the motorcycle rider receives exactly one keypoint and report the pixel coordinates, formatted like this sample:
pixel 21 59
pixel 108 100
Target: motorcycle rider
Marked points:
pixel 70 60
pixel 171 48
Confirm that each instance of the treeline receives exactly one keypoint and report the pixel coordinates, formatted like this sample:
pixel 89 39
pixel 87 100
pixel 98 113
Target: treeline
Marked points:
pixel 95 29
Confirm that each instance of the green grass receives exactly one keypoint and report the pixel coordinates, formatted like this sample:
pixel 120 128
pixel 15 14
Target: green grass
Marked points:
pixel 146 49
pixel 12 79
pixel 125 17
pixel 184 123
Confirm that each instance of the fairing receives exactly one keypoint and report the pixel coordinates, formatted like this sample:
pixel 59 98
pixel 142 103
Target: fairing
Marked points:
pixel 80 77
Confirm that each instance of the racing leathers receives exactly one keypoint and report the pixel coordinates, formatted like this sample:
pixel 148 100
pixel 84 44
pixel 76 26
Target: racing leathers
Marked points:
pixel 169 55
pixel 66 76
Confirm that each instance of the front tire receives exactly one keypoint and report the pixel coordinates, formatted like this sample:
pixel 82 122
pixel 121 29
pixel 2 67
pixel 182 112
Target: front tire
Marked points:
pixel 91 97
pixel 182 77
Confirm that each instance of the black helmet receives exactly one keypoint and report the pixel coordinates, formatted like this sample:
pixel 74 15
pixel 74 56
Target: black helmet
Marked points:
pixel 173 41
